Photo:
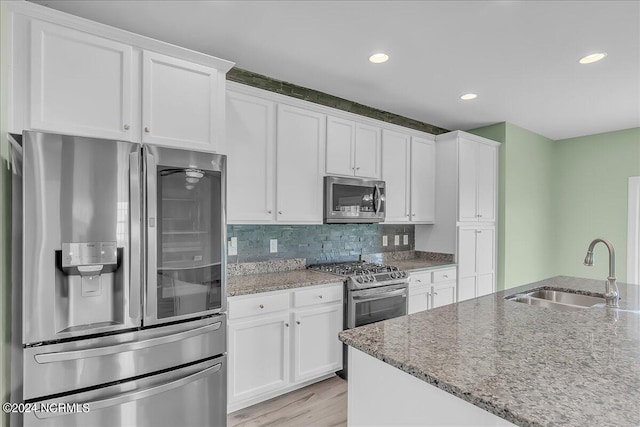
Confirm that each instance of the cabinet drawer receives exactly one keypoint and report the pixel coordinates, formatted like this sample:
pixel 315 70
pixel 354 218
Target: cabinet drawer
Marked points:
pixel 444 275
pixel 260 304
pixel 307 297
pixel 419 279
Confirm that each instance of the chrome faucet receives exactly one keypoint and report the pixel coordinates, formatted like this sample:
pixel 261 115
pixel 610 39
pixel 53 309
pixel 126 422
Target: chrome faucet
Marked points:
pixel 611 294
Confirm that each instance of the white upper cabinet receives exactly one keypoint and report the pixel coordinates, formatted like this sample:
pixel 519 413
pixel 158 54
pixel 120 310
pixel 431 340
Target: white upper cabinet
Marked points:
pixel 478 163
pixel 300 163
pixel 396 149
pixel 353 149
pixel 368 150
pixel 423 180
pixel 250 149
pixel 72 76
pixel 80 84
pixel 180 103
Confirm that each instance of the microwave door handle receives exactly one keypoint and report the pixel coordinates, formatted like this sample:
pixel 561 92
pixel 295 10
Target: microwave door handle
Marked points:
pixel 135 256
pixel 376 198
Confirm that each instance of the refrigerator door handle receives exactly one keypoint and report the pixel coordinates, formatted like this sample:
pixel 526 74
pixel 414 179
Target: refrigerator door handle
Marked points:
pixel 135 256
pixel 151 250
pixel 141 394
pixel 121 348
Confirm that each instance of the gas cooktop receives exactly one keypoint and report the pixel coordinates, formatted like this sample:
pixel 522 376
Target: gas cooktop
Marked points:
pixel 361 274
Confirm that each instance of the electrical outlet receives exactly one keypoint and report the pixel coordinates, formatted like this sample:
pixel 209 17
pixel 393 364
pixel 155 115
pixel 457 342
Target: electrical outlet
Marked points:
pixel 396 239
pixel 273 246
pixel 232 247
pixel 385 241
pixel 405 239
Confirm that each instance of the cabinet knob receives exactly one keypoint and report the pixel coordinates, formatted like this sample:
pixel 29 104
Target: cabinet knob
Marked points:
pixel 286 325
pixel 479 216
pixel 418 280
pixel 297 322
pixel 414 214
pixel 445 276
pixel 279 212
pixel 126 127
pixel 435 293
pixel 268 212
pixel 320 296
pixel 478 231
pixel 358 168
pixel 261 306
pixel 147 130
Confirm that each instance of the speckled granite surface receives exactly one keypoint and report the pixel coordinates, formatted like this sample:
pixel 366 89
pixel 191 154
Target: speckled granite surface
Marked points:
pixel 411 260
pixel 275 266
pixel 266 282
pixel 530 365
pixel 420 264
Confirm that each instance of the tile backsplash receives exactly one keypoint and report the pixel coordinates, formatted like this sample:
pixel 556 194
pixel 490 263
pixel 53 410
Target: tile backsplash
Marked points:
pixel 317 243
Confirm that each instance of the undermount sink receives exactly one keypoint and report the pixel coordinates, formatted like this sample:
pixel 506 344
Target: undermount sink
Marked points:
pixel 557 299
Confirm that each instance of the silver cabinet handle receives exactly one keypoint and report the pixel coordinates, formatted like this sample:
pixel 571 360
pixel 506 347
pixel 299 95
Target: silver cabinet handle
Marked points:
pixel 445 276
pixel 268 212
pixel 279 212
pixel 147 130
pixel 121 348
pixel 320 296
pixel 414 214
pixel 126 127
pixel 358 168
pixel 261 306
pixel 418 280
pixel 286 325
pixel 297 322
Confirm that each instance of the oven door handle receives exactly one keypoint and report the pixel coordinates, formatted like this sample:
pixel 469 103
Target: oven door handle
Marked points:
pixel 382 295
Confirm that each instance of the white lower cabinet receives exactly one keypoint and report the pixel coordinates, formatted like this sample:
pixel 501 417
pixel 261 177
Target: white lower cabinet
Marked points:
pixel 476 261
pixel 431 289
pixel 283 340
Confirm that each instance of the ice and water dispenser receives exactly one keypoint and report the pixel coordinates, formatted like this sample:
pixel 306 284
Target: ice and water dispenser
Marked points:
pixel 89 285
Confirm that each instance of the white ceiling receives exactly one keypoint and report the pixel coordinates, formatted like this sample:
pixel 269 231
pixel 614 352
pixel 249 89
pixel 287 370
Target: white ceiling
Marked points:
pixel 521 58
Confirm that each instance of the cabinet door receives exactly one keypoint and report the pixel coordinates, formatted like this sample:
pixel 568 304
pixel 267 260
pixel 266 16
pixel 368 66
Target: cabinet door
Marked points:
pixel 317 349
pixel 423 180
pixel 486 260
pixel 180 105
pixel 80 83
pixel 487 157
pixel 466 288
pixel 466 252
pixel 258 356
pixel 467 181
pixel 368 151
pixel 250 148
pixel 340 146
pixel 443 294
pixel 300 165
pixel 419 300
pixel 395 173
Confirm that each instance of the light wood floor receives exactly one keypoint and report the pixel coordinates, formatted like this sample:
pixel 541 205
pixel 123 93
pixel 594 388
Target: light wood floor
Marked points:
pixel 321 404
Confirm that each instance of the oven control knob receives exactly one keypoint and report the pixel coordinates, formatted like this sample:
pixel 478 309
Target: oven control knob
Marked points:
pixel 394 275
pixel 372 279
pixel 359 279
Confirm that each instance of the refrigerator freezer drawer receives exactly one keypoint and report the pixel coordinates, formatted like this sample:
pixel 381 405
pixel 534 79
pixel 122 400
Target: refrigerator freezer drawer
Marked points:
pixel 62 368
pixel 190 396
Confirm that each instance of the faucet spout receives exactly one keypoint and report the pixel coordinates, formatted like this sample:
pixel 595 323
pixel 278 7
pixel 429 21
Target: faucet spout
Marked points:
pixel 611 287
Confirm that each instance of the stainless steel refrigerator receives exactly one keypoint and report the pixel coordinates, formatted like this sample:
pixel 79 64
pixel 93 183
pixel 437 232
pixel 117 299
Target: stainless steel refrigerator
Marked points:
pixel 122 281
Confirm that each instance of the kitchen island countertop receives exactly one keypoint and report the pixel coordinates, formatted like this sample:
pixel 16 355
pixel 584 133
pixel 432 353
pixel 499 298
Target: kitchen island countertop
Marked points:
pixel 528 365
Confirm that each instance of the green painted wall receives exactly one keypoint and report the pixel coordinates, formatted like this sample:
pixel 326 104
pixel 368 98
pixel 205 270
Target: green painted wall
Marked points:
pixel 525 223
pixel 556 196
pixel 591 193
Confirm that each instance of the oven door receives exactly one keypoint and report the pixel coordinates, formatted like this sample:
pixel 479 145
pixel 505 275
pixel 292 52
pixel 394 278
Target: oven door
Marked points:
pixel 376 304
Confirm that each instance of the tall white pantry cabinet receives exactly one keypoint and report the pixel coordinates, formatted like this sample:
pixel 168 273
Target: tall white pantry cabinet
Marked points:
pixel 466 210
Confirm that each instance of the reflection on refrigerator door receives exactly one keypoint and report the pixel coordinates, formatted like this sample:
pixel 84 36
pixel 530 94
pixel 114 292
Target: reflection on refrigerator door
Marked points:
pixel 189 396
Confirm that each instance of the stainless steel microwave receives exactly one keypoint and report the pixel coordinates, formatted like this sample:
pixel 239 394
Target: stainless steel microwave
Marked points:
pixel 353 200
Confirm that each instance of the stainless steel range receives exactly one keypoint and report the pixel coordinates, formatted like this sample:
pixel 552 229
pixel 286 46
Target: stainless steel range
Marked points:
pixel 373 293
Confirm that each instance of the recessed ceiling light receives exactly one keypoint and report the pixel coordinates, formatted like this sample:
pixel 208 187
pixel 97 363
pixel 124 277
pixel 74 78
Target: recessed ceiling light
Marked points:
pixel 468 96
pixel 379 58
pixel 594 57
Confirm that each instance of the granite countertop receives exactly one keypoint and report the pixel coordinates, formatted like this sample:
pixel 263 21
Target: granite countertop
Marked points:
pixel 420 264
pixel 266 282
pixel 530 365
